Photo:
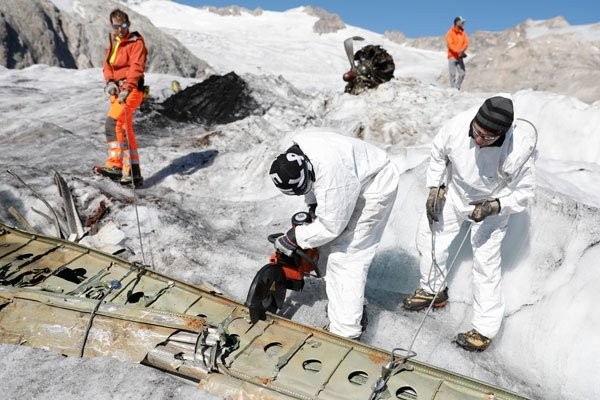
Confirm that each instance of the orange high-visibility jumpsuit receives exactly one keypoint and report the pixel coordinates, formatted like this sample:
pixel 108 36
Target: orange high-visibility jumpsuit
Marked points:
pixel 124 64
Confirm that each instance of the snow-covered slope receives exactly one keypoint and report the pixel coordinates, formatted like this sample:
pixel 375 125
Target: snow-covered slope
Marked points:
pixel 279 43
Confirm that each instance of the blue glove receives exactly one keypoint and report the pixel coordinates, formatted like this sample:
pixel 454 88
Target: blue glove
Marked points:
pixel 111 89
pixel 484 208
pixel 286 244
pixel 123 95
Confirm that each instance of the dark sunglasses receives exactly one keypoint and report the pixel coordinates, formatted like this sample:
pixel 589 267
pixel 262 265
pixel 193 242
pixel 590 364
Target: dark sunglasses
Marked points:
pixel 477 132
pixel 124 25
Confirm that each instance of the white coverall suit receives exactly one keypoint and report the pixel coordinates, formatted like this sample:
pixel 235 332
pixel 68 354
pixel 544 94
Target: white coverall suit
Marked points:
pixel 355 188
pixel 474 173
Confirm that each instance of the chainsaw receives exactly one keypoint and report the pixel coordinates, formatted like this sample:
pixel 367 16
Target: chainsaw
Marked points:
pixel 270 284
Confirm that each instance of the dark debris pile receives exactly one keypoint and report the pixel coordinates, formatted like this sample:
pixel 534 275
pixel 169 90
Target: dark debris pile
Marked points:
pixel 216 100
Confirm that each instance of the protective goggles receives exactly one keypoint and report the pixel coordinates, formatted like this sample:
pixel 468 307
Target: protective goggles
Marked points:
pixel 124 25
pixel 477 132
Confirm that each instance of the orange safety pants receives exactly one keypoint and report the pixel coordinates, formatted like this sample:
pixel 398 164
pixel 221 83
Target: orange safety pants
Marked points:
pixel 120 137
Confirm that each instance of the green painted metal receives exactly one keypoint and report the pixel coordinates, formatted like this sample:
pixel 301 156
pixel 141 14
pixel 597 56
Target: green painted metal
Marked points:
pixel 70 299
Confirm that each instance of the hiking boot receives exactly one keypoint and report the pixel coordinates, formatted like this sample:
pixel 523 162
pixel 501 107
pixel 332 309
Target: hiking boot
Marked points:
pixel 127 180
pixel 422 299
pixel 114 173
pixel 473 341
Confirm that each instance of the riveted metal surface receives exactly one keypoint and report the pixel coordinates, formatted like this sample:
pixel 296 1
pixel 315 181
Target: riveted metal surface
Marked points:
pixel 166 322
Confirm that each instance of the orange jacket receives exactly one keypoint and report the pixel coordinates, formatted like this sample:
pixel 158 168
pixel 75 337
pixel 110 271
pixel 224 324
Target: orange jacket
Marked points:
pixel 129 62
pixel 457 41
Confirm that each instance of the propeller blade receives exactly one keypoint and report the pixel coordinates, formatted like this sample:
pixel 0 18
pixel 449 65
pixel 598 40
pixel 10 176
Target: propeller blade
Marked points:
pixel 348 46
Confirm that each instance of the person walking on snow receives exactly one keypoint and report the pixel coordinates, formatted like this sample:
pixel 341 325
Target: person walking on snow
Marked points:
pixel 458 43
pixel 485 184
pixel 123 70
pixel 350 185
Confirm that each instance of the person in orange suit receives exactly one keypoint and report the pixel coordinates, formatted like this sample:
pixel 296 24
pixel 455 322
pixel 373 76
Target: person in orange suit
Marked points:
pixel 457 42
pixel 123 70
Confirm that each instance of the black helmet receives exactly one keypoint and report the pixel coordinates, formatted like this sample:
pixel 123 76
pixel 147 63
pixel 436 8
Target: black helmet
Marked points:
pixel 292 172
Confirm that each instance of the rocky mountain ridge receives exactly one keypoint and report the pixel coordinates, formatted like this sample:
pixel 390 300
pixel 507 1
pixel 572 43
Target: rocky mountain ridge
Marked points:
pixel 548 55
pixel 37 32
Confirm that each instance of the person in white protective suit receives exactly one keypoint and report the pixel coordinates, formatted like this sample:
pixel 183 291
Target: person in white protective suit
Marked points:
pixel 350 187
pixel 480 169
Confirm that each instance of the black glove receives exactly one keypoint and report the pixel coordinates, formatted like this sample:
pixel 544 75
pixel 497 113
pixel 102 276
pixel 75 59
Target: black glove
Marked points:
pixel 312 211
pixel 435 203
pixel 286 244
pixel 484 208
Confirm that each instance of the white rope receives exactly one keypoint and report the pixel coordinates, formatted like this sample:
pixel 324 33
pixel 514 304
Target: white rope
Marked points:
pixel 434 261
pixel 135 202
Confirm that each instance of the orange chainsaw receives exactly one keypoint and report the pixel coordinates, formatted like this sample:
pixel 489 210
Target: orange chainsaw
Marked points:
pixel 271 282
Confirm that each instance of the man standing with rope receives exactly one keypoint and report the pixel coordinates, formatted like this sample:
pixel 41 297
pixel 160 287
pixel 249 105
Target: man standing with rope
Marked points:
pixel 123 70
pixel 481 169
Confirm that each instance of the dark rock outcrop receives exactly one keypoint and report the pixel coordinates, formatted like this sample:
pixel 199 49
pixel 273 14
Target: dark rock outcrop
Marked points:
pixel 327 22
pixel 33 32
pixel 36 32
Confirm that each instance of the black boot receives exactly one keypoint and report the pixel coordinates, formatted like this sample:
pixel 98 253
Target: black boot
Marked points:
pixel 134 179
pixel 113 173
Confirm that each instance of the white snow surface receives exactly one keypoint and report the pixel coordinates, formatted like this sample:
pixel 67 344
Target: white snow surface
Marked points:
pixel 208 203
pixel 64 5
pixel 280 43
pixel 584 32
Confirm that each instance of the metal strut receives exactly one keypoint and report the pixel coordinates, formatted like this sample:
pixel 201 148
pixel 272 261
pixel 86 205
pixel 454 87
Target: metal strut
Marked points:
pixel 394 366
pixel 114 284
pixel 218 343
pixel 36 194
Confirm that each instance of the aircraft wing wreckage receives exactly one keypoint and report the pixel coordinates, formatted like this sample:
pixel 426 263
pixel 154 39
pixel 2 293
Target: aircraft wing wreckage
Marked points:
pixel 63 297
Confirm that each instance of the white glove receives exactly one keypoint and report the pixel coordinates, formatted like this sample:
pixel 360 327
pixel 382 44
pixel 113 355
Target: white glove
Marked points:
pixel 111 89
pixel 123 95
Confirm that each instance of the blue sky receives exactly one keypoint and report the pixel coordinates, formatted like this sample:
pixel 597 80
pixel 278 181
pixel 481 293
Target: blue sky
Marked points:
pixel 428 17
